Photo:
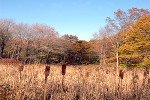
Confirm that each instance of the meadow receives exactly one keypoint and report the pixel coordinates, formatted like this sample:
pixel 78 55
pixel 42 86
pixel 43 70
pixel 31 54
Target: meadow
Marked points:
pixel 80 82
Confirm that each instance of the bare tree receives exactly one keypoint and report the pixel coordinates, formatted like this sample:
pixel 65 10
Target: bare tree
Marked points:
pixel 103 46
pixel 45 41
pixel 5 33
pixel 19 36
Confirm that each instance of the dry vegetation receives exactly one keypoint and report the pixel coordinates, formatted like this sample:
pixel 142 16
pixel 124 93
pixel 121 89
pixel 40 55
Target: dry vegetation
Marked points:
pixel 79 82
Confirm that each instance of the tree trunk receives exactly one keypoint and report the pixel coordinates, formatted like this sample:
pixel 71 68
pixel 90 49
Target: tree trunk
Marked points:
pixel 19 51
pixel 104 63
pixel 117 58
pixel 47 59
pixel 117 55
pixel 2 48
pixel 27 53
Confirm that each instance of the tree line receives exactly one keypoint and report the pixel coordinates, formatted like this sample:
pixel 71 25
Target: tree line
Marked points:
pixel 40 43
pixel 125 41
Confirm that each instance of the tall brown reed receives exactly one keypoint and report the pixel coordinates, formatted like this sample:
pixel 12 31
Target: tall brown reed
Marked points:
pixel 115 69
pixel 115 73
pixel 47 72
pixel 63 73
pixel 135 85
pixel 107 71
pixel 20 68
pixel 87 74
pixel 63 69
pixel 121 74
pixel 145 74
pixel 149 81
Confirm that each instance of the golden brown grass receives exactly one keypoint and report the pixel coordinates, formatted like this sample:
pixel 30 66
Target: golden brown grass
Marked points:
pixel 81 82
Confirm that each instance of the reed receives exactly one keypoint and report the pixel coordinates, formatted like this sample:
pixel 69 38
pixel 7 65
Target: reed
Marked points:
pixel 81 82
pixel 63 69
pixel 107 71
pixel 121 74
pixel 149 81
pixel 115 69
pixel 135 78
pixel 87 74
pixel 135 85
pixel 63 74
pixel 148 88
pixel 144 74
pixel 47 72
pixel 20 68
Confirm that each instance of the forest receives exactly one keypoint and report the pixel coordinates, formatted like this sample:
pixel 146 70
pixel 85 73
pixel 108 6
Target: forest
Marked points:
pixel 124 41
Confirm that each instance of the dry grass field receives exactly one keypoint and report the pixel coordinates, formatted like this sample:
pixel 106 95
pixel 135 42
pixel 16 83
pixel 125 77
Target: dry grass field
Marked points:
pixel 89 82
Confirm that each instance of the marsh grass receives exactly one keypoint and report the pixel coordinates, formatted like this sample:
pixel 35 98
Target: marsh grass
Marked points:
pixel 80 83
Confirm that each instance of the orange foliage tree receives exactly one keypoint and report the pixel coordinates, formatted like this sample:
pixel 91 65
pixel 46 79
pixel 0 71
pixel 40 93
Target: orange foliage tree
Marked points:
pixel 121 23
pixel 82 49
pixel 136 47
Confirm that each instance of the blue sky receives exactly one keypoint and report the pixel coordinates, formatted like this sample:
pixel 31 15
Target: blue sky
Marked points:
pixel 77 17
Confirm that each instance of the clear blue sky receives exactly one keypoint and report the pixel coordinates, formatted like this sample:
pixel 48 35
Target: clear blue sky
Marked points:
pixel 77 17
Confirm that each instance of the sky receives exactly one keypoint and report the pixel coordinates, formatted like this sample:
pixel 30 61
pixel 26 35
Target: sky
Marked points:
pixel 76 17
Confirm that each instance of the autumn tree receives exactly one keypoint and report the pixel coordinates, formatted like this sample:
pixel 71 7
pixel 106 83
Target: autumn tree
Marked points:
pixel 14 48
pixel 94 54
pixel 136 47
pixel 82 50
pixel 5 33
pixel 70 38
pixel 68 41
pixel 16 44
pixel 121 23
pixel 103 46
pixel 44 42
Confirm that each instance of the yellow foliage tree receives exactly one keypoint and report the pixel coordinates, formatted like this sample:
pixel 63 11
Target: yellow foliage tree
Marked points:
pixel 136 44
